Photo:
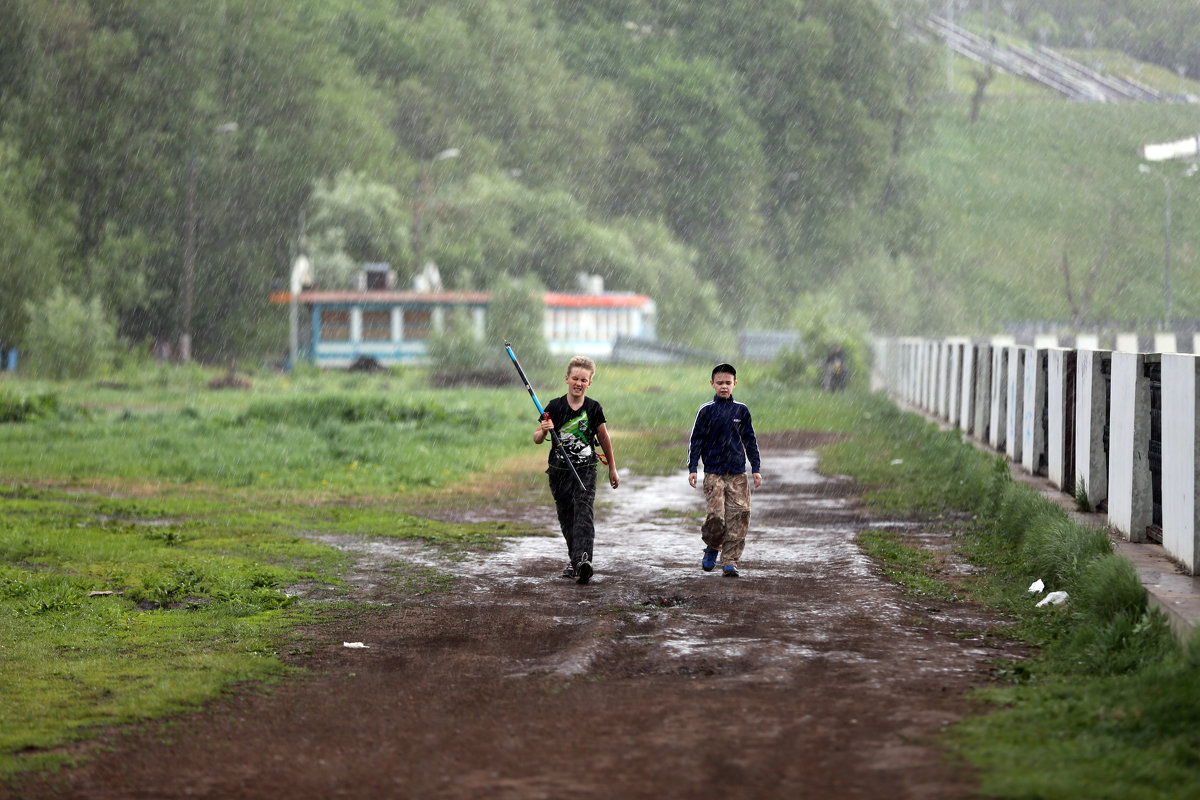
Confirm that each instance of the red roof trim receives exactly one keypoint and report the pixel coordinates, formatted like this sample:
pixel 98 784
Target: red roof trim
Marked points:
pixel 559 300
pixel 389 297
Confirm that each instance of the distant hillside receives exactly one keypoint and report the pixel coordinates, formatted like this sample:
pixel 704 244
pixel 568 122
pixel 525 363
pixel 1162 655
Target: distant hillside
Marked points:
pixel 1038 178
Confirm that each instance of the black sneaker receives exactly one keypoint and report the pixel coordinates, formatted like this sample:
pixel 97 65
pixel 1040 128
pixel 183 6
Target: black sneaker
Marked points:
pixel 583 570
pixel 568 571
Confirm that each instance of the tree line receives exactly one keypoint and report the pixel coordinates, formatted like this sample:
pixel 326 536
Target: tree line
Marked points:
pixel 163 163
pixel 1162 32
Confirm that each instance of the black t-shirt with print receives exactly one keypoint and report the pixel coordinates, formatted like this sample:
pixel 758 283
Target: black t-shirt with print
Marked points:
pixel 576 429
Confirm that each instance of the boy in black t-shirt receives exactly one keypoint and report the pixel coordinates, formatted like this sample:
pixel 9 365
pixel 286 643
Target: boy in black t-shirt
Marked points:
pixel 579 421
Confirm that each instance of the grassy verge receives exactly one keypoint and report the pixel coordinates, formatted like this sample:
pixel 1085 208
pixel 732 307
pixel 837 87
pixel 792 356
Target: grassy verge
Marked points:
pixel 1110 705
pixel 158 532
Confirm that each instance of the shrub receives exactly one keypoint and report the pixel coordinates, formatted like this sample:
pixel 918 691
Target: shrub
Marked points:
pixel 1057 549
pixel 27 408
pixel 311 411
pixel 1109 587
pixel 1020 509
pixel 67 338
pixel 458 350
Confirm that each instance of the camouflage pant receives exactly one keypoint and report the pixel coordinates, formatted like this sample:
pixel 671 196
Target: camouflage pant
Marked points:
pixel 728 520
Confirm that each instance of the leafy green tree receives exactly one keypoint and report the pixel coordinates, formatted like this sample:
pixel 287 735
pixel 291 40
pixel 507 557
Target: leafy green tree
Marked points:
pixel 353 220
pixel 29 245
pixel 708 152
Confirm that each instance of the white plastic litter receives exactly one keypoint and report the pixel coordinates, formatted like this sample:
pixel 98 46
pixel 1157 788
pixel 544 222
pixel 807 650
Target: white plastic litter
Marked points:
pixel 355 645
pixel 897 461
pixel 1053 599
pixel 1036 586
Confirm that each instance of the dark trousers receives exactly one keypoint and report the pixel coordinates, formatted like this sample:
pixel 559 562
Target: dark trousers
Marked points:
pixel 574 507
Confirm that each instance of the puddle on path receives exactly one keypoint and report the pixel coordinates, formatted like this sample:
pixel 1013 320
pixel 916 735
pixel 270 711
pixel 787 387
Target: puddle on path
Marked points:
pixel 805 583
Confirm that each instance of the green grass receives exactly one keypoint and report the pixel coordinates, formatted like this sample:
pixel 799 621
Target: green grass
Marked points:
pixel 915 569
pixel 195 514
pixel 157 532
pixel 1039 177
pixel 1108 705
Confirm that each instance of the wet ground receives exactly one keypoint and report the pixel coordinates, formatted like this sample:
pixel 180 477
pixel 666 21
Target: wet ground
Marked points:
pixel 808 677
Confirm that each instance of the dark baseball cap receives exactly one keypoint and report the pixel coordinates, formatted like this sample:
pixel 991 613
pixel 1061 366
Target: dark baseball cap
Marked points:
pixel 724 368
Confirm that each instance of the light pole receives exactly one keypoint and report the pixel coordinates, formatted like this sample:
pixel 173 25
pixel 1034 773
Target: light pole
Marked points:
pixel 189 253
pixel 1190 171
pixel 424 192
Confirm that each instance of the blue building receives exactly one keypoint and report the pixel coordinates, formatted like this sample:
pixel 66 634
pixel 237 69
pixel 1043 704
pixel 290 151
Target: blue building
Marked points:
pixel 393 327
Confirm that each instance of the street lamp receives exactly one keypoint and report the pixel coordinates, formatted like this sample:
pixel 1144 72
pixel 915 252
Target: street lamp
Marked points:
pixel 1190 171
pixel 189 253
pixel 422 200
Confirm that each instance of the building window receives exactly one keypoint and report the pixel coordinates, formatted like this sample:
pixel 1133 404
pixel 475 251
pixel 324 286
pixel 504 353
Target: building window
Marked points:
pixel 417 323
pixel 376 326
pixel 335 325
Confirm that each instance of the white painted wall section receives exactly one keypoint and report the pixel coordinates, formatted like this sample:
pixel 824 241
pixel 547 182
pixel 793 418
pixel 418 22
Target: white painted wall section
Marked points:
pixel 1180 454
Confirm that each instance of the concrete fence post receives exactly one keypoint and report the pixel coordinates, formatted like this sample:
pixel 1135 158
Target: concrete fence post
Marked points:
pixel 999 406
pixel 966 406
pixel 953 381
pixel 1033 408
pixel 940 385
pixel 1060 428
pixel 1130 495
pixel 1091 419
pixel 1180 456
pixel 983 392
pixel 1014 417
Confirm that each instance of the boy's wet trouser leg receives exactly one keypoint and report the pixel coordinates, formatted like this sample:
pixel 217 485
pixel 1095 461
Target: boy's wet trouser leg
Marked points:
pixel 574 508
pixel 727 498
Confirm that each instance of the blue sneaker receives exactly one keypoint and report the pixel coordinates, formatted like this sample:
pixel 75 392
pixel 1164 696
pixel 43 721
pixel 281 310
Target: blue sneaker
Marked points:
pixel 729 571
pixel 710 559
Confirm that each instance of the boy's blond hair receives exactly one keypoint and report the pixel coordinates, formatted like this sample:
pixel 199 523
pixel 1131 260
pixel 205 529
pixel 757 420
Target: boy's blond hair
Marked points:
pixel 583 362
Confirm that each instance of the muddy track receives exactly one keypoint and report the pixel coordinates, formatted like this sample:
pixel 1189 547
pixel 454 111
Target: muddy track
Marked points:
pixel 808 677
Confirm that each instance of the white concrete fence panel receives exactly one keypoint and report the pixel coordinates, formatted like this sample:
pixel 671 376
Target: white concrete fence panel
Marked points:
pixel 1117 429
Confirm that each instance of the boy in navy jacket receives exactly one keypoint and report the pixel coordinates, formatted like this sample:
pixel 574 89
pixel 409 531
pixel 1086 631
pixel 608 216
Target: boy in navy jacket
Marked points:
pixel 723 438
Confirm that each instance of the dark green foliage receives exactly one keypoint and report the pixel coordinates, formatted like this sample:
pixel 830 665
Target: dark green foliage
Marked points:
pixel 27 408
pixel 323 409
pixel 714 152
pixel 1109 587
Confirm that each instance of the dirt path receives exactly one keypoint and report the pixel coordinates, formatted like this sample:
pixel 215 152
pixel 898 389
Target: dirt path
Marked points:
pixel 808 677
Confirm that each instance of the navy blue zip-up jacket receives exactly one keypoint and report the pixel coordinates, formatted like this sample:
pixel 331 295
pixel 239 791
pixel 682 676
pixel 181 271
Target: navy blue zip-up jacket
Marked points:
pixel 723 438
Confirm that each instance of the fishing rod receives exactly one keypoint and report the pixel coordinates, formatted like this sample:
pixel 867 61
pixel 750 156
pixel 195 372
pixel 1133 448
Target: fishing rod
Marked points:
pixel 553 433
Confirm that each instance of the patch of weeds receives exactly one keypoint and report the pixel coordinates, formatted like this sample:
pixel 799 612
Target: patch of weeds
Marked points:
pixel 1083 503
pixel 912 567
pixel 27 408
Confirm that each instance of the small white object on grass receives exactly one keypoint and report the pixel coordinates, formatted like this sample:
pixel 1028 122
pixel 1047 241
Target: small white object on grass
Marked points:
pixel 895 462
pixel 355 645
pixel 1036 586
pixel 1053 599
